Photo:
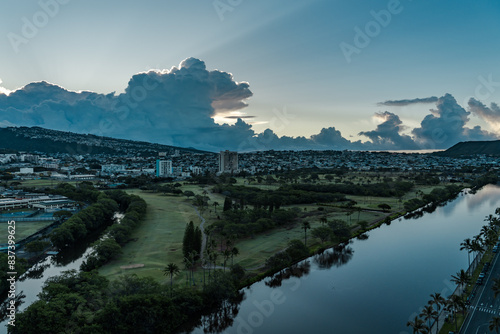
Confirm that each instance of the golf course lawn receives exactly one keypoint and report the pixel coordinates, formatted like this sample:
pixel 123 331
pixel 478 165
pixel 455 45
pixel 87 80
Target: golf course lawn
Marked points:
pixel 158 240
pixel 45 183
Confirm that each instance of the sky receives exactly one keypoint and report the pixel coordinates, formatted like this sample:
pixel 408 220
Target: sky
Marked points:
pixel 254 74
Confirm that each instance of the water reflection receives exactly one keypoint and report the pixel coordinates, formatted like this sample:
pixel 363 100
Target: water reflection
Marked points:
pixel 362 236
pixel 486 195
pixel 223 318
pixel 338 256
pixel 297 270
pixel 35 272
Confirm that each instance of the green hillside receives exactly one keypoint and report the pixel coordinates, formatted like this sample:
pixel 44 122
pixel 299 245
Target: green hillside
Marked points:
pixel 470 148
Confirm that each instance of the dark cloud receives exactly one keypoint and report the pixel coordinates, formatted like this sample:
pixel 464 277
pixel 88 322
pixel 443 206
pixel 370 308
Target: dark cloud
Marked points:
pixel 388 133
pixel 332 138
pixel 238 117
pixel 327 139
pixel 400 103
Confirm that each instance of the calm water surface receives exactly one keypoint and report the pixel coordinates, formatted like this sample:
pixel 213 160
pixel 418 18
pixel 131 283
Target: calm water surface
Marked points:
pixel 385 283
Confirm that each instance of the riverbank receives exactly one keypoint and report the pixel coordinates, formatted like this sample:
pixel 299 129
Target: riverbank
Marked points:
pixel 158 241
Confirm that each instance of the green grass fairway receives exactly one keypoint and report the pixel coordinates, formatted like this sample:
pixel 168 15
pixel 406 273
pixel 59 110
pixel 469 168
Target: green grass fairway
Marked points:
pixel 254 252
pixel 23 229
pixel 158 238
pixel 44 183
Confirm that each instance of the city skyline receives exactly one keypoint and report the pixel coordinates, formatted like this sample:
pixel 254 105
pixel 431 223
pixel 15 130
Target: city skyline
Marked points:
pixel 317 74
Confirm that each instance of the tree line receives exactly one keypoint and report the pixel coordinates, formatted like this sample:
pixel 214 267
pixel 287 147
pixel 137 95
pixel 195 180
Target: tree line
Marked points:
pixel 86 302
pixel 242 223
pixel 437 195
pixel 274 199
pixel 118 234
pixel 382 189
pixel 88 220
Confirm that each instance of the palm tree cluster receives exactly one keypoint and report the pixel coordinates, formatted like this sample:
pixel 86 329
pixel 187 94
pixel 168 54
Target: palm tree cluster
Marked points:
pixel 423 322
pixel 456 303
pixel 485 239
pixel 227 249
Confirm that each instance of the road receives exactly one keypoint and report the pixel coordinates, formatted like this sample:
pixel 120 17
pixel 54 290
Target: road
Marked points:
pixel 484 306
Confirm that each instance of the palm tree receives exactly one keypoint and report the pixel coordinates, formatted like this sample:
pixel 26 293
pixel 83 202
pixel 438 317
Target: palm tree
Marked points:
pixel 323 220
pixel 417 325
pixel 467 245
pixel 461 278
pixel 187 266
pixel 227 254
pixel 494 324
pixel 234 252
pixel 215 204
pixel 477 243
pixel 193 256
pixel 455 303
pixel 477 246
pixel 213 258
pixel 439 301
pixel 171 269
pixel 207 260
pixel 428 313
pixel 305 226
pixel 459 305
pixel 490 219
pixel 496 286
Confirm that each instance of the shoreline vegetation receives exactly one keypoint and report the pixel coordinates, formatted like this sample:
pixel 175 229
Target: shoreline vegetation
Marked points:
pixel 256 227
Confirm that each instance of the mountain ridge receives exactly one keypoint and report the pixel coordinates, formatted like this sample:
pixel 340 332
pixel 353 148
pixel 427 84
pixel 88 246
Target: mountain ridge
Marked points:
pixel 470 148
pixel 38 139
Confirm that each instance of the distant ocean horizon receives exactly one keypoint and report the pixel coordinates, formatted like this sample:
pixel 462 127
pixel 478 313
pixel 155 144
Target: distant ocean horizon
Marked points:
pixel 410 151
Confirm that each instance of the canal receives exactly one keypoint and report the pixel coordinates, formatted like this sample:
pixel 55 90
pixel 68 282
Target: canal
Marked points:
pixel 374 285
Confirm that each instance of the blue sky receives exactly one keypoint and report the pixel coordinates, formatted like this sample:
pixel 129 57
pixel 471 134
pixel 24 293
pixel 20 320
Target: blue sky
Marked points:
pixel 290 53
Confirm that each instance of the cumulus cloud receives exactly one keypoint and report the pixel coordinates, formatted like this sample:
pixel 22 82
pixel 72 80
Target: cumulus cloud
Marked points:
pixel 388 133
pixel 173 106
pixel 445 126
pixel 490 114
pixel 332 138
pixel 178 107
pixel 401 103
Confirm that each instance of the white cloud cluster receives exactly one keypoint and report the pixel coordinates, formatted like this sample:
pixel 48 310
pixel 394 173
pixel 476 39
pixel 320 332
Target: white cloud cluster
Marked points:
pixel 3 90
pixel 445 126
pixel 178 107
pixel 490 114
